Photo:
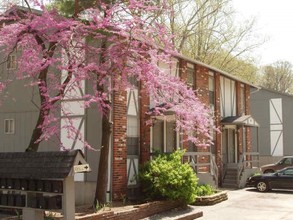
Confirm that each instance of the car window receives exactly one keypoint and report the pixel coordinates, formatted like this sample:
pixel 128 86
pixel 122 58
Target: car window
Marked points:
pixel 288 172
pixel 287 161
pixel 281 161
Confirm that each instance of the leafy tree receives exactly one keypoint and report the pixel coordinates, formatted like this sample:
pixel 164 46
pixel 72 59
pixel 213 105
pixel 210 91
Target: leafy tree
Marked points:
pixel 70 8
pixel 104 46
pixel 206 30
pixel 278 76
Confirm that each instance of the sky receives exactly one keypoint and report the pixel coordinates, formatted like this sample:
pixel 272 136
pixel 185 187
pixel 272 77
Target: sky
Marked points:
pixel 275 22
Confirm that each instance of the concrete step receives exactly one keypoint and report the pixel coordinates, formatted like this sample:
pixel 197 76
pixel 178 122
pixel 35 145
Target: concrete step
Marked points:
pixel 230 176
pixel 234 181
pixel 229 185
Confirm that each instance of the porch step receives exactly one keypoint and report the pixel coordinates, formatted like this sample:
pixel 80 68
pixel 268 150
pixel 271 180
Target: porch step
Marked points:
pixel 229 186
pixel 230 178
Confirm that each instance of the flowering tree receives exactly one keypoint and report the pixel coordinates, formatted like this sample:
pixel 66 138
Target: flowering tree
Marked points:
pixel 104 46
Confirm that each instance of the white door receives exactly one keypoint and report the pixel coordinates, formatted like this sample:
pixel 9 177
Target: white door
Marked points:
pixel 229 146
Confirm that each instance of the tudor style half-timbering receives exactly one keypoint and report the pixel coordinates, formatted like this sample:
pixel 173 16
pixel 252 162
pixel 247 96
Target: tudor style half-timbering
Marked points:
pixel 273 110
pixel 230 159
pixel 132 141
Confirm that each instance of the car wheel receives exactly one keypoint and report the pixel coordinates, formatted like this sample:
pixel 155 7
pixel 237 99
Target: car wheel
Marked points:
pixel 262 186
pixel 268 171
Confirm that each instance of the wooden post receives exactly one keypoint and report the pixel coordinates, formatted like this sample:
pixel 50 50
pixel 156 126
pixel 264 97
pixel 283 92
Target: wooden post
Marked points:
pixel 68 200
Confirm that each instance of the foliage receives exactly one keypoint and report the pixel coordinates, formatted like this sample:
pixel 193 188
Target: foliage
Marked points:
pixel 48 44
pixel 167 177
pixel 103 47
pixel 278 76
pixel 208 31
pixel 68 7
pixel 205 190
pixel 98 207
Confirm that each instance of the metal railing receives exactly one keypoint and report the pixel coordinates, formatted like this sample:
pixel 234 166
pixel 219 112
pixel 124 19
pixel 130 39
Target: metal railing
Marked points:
pixel 202 162
pixel 247 160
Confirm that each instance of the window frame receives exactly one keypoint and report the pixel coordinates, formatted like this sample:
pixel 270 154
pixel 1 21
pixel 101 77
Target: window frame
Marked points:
pixel 190 71
pixel 11 63
pixel 9 126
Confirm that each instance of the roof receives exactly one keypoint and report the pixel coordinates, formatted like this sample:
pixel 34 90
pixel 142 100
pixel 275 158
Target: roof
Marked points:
pixel 275 91
pixel 223 73
pixel 244 120
pixel 39 165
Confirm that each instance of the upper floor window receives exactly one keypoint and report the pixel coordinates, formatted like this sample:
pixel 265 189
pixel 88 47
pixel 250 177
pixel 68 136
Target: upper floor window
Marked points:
pixel 211 89
pixel 190 75
pixel 242 99
pixel 212 102
pixel 9 126
pixel 133 81
pixel 11 62
pixel 170 67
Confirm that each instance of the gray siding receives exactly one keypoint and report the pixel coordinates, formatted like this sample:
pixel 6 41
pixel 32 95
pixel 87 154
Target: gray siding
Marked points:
pixel 19 105
pixel 94 137
pixel 260 109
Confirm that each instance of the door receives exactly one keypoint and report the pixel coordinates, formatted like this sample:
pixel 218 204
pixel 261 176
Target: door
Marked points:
pixel 229 149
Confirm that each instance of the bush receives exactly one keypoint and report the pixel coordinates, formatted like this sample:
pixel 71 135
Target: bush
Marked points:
pixel 166 177
pixel 205 190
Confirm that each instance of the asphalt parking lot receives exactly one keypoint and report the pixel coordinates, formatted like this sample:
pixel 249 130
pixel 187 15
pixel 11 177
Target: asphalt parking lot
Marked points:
pixel 242 204
pixel 248 204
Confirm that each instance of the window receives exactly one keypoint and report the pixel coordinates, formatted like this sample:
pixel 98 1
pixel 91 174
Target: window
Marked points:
pixel 190 75
pixel 288 172
pixel 211 89
pixel 9 126
pixel 11 62
pixel 242 99
pixel 132 135
pixel 287 161
pixel 164 136
pixel 212 102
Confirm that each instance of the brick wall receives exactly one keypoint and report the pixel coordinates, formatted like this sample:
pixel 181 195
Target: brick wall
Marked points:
pixel 218 140
pixel 141 211
pixel 119 181
pixel 202 88
pixel 202 84
pixel 144 128
pixel 239 130
pixel 247 112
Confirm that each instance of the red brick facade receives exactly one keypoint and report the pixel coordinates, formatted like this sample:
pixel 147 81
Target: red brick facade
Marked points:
pixel 119 178
pixel 201 84
pixel 217 114
pixel 144 129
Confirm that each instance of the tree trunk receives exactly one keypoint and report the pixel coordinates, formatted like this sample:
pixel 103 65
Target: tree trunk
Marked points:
pixel 102 179
pixel 37 132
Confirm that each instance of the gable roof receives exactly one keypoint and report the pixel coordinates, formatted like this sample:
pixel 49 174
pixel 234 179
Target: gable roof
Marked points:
pixel 39 165
pixel 244 120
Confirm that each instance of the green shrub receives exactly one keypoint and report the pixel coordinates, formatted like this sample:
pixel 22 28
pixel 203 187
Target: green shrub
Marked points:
pixel 205 190
pixel 166 177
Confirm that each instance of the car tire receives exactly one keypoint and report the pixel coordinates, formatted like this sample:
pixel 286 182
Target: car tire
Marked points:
pixel 262 186
pixel 268 171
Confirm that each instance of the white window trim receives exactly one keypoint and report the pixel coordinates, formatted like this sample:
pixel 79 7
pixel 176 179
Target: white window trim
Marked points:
pixel 165 138
pixel 10 122
pixel 12 63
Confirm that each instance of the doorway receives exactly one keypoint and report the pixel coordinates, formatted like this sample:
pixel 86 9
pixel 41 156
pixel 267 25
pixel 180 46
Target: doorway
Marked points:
pixel 229 146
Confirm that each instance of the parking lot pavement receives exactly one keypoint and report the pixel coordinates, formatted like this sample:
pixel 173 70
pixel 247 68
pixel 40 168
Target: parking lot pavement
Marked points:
pixel 248 204
pixel 242 204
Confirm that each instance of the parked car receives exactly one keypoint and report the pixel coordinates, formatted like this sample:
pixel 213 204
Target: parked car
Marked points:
pixel 282 179
pixel 272 168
